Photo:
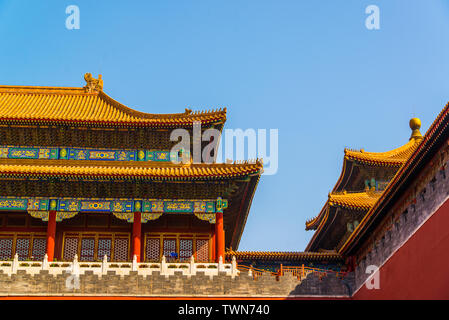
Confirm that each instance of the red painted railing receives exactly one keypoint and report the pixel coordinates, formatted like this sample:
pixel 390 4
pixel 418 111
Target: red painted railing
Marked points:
pixel 300 272
pixel 255 271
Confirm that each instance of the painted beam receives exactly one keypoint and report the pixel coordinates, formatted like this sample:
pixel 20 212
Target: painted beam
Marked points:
pixel 113 205
pixel 49 153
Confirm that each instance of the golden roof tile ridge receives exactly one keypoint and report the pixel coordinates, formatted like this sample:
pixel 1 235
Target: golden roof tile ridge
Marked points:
pixel 55 103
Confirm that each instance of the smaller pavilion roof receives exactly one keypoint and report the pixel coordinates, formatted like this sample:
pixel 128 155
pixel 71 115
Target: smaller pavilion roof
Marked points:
pixel 365 200
pixel 284 255
pixel 350 200
pixel 395 157
pixel 355 200
pixel 434 139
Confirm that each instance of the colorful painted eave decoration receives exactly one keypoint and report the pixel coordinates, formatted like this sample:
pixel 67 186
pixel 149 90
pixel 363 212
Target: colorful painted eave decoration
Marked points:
pixel 43 215
pixel 11 152
pixel 114 205
pixel 124 209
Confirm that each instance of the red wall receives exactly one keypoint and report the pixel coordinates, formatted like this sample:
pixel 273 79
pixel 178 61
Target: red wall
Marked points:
pixel 420 268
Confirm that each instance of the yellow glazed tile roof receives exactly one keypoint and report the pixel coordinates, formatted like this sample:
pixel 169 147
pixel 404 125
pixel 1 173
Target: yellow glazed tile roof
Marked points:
pixel 312 223
pixel 66 168
pixel 356 200
pixel 435 132
pixel 273 255
pixel 395 157
pixel 75 105
pixel 366 201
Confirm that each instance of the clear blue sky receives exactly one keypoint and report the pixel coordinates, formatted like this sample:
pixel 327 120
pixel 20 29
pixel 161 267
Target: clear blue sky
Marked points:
pixel 308 68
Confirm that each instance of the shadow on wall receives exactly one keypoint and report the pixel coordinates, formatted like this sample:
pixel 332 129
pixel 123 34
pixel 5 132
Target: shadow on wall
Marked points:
pixel 328 285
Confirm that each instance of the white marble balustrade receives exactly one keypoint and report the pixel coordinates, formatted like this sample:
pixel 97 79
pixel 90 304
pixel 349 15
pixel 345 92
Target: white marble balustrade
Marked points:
pixel 121 268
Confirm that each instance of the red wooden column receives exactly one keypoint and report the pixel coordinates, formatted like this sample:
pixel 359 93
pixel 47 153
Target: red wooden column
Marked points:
pixel 219 236
pixel 213 243
pixel 137 233
pixel 51 233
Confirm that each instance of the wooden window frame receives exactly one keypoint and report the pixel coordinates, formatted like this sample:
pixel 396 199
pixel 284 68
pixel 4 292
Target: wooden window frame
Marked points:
pixel 22 235
pixel 96 236
pixel 178 236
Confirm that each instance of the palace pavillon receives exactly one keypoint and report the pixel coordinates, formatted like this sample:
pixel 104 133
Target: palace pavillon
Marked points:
pixel 86 179
pixel 81 174
pixel 362 181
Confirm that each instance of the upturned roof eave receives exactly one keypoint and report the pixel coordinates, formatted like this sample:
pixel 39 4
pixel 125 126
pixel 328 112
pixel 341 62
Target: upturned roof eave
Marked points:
pixel 138 118
pixel 125 169
pixel 404 173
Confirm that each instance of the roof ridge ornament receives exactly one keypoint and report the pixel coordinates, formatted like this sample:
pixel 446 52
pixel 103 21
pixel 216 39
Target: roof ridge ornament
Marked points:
pixel 415 125
pixel 93 84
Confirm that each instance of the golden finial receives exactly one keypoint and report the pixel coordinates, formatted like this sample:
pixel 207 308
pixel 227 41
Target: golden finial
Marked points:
pixel 415 124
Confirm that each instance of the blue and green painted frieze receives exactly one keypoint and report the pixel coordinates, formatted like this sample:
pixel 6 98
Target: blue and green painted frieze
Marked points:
pixel 12 152
pixel 113 205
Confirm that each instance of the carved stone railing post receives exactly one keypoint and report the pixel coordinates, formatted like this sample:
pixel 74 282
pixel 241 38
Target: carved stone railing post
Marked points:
pixel 192 266
pixel 234 266
pixel 15 264
pixel 104 265
pixel 163 266
pixel 134 264
pixel 250 272
pixel 75 266
pixel 45 263
pixel 220 264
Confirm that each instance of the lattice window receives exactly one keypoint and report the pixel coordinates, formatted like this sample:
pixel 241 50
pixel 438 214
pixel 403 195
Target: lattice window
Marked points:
pixel 121 249
pixel 22 248
pixel 202 250
pixel 104 248
pixel 5 248
pixel 170 249
pixel 185 249
pixel 87 249
pixel 70 248
pixel 153 248
pixel 39 248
